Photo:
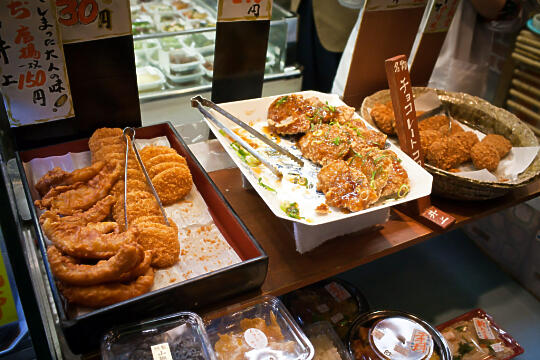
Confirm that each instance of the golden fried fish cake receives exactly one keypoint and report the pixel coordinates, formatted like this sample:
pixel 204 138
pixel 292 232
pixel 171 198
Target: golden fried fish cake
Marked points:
pixel 159 168
pixel 100 143
pixel 105 153
pixel 149 152
pixel 102 133
pixel 499 142
pixel 133 174
pixel 162 240
pixel 173 184
pixel 158 159
pixel 132 185
pixel 157 219
pixel 139 203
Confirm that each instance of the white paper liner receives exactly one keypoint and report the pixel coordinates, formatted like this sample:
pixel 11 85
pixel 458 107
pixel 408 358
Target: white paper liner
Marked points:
pixel 513 164
pixel 203 247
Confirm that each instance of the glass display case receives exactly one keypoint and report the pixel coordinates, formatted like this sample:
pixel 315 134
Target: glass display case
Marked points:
pixel 174 46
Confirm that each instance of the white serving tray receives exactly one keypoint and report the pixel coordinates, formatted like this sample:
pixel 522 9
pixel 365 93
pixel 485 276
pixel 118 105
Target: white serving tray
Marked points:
pixel 254 113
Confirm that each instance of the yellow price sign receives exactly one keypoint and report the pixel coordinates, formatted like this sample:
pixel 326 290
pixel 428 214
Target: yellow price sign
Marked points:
pixel 8 312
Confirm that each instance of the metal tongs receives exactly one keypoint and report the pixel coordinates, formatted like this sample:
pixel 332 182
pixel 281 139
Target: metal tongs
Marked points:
pixel 129 134
pixel 198 102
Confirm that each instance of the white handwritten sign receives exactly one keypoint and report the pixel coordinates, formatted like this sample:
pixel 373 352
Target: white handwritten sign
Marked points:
pixel 85 20
pixel 383 5
pixel 441 15
pixel 241 10
pixel 33 78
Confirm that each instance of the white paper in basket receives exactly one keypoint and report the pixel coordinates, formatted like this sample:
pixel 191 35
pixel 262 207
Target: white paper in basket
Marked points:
pixel 513 164
pixel 203 247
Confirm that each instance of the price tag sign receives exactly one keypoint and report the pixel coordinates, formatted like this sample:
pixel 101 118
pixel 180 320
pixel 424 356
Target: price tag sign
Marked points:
pixel 483 330
pixel 85 20
pixel 384 5
pixel 8 312
pixel 244 10
pixel 33 77
pixel 161 352
pixel 437 216
pixel 441 15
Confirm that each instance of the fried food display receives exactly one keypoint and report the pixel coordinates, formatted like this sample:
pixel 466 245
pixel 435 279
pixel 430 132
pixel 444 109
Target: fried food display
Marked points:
pixel 500 143
pixel 96 261
pixel 485 156
pixel 325 143
pixel 383 116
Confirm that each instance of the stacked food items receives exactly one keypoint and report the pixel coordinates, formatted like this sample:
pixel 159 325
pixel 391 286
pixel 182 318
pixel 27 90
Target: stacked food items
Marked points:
pixel 446 144
pixel 99 262
pixel 357 171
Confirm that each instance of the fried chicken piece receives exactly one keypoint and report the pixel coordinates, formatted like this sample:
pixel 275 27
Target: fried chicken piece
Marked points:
pixel 499 142
pixel 149 152
pixel 485 156
pixel 162 240
pixel 107 294
pixel 398 183
pixel 289 115
pixel 99 212
pixel 69 271
pixel 173 184
pixel 67 199
pixel 325 143
pixel 345 187
pixel 433 123
pixel 320 112
pixel 93 241
pixel 138 270
pixel 57 176
pixel 383 116
pixel 361 139
pixel 447 153
pixel 428 137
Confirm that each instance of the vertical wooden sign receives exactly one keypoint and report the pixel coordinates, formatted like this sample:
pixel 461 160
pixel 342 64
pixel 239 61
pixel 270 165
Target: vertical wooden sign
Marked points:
pixel 399 82
pixel 431 40
pixel 240 54
pixel 387 27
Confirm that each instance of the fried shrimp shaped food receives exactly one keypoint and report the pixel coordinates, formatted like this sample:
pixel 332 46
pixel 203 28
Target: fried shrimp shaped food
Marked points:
pixel 107 294
pixel 68 270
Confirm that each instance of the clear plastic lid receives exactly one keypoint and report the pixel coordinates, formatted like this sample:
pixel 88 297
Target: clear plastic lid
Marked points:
pixel 263 330
pixel 326 342
pixel 179 336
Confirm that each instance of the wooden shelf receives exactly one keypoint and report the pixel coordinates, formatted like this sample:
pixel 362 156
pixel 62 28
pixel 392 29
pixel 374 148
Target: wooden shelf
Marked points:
pixel 289 270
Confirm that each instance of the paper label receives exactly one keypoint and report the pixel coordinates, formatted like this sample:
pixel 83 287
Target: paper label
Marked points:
pixel 483 330
pixel 85 20
pixel 441 15
pixel 337 291
pixel 420 341
pixel 161 352
pixel 383 5
pixel 8 311
pixel 33 77
pixel 498 347
pixel 323 308
pixel 255 338
pixel 337 318
pixel 241 10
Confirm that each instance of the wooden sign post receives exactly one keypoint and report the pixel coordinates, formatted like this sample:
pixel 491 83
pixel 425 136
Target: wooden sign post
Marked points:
pixel 399 82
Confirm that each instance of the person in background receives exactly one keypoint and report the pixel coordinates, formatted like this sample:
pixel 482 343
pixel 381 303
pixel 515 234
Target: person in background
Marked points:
pixel 324 26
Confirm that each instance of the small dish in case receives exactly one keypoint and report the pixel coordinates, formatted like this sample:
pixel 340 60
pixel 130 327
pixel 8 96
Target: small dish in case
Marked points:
pixel 261 330
pixel 179 336
pixel 326 342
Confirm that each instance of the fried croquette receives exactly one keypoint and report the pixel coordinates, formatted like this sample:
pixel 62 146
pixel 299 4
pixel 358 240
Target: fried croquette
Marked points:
pixel 468 139
pixel 103 133
pixel 499 142
pixel 433 123
pixel 149 152
pixel 428 137
pixel 446 154
pixel 454 130
pixel 485 156
pixel 158 168
pixel 383 116
pixel 162 240
pixel 164 158
pixel 173 184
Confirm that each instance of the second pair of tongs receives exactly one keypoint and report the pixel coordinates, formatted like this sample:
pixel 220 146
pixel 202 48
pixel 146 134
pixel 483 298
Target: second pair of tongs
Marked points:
pixel 198 102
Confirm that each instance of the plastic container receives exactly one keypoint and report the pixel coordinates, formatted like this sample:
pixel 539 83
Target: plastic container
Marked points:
pixel 185 76
pixel 142 24
pixel 326 342
pixel 332 300
pixel 182 60
pixel 171 23
pixel 395 335
pixel 171 43
pixel 477 336
pixel 263 330
pixel 149 78
pixel 179 336
pixel 204 43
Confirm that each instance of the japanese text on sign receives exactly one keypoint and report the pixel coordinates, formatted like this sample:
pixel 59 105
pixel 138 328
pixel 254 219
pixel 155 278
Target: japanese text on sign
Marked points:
pixel 85 20
pixel 240 10
pixel 33 81
pixel 438 217
pixel 383 5
pixel 441 15
pixel 161 352
pixel 483 329
pixel 420 342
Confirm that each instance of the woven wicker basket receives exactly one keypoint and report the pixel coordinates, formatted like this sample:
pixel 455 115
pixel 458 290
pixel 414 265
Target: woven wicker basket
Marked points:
pixel 481 115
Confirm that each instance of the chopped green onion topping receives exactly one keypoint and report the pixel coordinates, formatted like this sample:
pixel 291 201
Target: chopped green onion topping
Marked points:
pixel 379 158
pixel 244 155
pixel 265 186
pixel 337 141
pixel 282 100
pixel 291 209
pixel 403 190
pixel 330 107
